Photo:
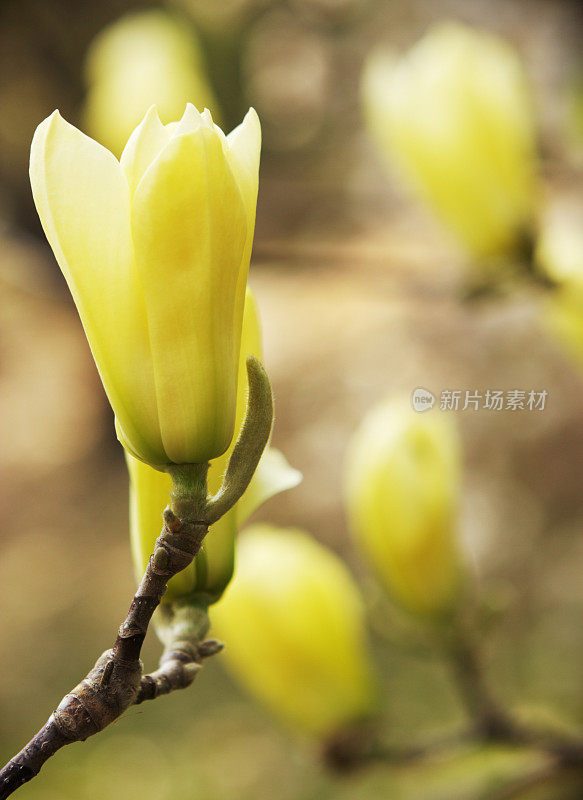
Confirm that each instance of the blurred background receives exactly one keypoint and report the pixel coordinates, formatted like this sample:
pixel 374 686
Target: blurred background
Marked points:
pixel 363 294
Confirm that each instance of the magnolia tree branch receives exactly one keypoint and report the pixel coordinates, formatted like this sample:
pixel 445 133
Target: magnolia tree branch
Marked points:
pixel 117 682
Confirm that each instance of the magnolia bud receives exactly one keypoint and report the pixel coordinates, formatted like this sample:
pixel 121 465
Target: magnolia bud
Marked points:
pixel 454 115
pixel 402 487
pixel 145 58
pixel 293 621
pixel 155 249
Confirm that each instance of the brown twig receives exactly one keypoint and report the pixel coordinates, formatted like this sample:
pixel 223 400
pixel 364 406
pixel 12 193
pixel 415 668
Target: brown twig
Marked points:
pixel 116 681
pixel 179 666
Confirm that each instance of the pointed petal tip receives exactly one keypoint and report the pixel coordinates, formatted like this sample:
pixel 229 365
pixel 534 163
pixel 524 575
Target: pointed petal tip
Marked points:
pixel 49 121
pixel 190 120
pixel 252 117
pixel 41 134
pixel 153 112
pixel 191 111
pixel 248 128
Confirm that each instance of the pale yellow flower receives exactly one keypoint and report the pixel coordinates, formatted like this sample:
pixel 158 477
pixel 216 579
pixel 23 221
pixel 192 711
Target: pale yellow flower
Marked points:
pixel 155 250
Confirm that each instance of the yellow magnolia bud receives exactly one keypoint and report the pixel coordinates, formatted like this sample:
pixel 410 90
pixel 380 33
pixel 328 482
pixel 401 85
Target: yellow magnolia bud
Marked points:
pixel 144 58
pixel 293 621
pixel 455 117
pixel 559 253
pixel 208 575
pixel 402 486
pixel 156 251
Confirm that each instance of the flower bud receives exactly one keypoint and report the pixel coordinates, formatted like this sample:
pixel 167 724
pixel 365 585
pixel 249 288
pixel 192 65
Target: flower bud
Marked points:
pixel 156 251
pixel 207 576
pixel 402 487
pixel 142 59
pixel 454 115
pixel 293 621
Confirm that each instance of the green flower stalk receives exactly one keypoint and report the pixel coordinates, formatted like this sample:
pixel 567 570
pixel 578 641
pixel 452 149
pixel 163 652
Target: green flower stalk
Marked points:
pixel 455 117
pixel 402 495
pixel 294 622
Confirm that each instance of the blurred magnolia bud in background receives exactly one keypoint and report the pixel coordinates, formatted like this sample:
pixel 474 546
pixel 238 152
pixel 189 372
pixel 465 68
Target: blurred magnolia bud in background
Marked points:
pixel 144 58
pixel 294 622
pixel 454 116
pixel 205 579
pixel 402 491
pixel 559 253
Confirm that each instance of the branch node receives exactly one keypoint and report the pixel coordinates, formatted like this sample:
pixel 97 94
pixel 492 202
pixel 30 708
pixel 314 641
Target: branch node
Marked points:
pixel 171 520
pixel 160 558
pixel 209 647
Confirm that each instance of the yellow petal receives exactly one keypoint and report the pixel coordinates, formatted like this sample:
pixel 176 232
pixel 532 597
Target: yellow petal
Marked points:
pixel 189 231
pixel 214 564
pixel 83 202
pixel 190 121
pixel 207 117
pixel 244 150
pixel 149 496
pixel 143 146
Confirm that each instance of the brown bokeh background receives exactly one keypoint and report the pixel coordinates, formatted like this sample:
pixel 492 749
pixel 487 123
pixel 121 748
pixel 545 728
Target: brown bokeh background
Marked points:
pixel 361 296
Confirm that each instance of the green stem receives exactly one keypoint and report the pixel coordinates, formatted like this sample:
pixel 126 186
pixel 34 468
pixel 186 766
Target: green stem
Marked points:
pixel 188 498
